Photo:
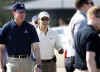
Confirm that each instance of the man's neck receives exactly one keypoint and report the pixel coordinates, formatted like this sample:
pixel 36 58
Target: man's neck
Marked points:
pixel 43 29
pixel 81 10
pixel 18 22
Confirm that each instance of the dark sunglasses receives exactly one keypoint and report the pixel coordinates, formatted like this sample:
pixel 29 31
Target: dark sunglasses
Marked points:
pixel 45 19
pixel 90 3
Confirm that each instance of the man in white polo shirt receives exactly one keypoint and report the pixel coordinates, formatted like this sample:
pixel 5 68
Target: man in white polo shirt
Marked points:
pixel 48 41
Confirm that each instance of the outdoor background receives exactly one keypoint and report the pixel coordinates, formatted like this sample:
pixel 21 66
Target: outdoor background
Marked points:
pixel 57 8
pixel 63 9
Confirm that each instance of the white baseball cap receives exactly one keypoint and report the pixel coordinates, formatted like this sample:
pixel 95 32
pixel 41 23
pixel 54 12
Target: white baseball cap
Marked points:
pixel 43 14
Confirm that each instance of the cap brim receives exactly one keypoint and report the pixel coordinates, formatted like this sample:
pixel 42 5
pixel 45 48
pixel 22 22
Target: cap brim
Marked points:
pixel 20 10
pixel 44 16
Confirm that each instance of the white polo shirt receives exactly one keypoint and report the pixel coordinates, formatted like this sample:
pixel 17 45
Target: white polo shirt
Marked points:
pixel 48 42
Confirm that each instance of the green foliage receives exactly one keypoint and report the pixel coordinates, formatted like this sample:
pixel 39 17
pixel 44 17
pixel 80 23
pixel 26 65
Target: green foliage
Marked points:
pixel 53 22
pixel 4 14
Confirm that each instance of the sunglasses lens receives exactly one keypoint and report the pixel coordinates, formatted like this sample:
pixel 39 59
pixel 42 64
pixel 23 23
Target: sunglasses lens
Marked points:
pixel 90 3
pixel 45 18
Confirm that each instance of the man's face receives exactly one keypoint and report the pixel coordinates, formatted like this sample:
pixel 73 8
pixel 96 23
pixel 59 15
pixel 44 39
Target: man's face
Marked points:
pixel 88 5
pixel 44 21
pixel 19 15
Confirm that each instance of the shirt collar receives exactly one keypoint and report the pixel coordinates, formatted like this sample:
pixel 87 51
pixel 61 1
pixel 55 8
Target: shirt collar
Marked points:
pixel 83 13
pixel 39 31
pixel 15 25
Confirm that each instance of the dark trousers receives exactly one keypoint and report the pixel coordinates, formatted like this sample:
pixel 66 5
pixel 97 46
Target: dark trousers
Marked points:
pixel 69 64
pixel 49 65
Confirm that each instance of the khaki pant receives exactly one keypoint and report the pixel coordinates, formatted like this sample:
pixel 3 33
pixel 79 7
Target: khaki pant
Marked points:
pixel 78 70
pixel 98 70
pixel 19 65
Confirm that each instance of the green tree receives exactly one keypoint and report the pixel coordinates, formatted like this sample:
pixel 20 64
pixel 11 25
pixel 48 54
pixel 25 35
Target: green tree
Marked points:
pixel 4 14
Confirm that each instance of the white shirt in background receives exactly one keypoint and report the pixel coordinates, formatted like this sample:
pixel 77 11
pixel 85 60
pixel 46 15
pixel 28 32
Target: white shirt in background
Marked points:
pixel 61 31
pixel 65 38
pixel 48 42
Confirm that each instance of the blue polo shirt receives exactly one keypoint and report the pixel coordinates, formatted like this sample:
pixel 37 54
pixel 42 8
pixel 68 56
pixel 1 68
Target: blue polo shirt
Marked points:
pixel 18 39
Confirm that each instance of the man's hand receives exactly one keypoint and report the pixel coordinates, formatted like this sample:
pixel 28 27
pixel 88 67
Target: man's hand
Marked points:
pixel 2 69
pixel 60 51
pixel 38 68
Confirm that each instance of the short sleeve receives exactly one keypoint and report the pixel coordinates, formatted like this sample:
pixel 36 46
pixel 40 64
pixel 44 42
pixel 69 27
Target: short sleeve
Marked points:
pixel 3 34
pixel 34 37
pixel 78 26
pixel 92 42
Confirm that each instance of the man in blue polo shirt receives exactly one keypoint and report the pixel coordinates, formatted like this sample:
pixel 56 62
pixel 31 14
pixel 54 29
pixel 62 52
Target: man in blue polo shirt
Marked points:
pixel 20 38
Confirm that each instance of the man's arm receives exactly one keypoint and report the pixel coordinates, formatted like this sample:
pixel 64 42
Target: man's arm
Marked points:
pixel 36 50
pixel 91 63
pixel 2 47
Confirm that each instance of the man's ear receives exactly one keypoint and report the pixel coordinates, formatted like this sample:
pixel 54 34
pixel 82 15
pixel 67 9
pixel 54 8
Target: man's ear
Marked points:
pixel 13 12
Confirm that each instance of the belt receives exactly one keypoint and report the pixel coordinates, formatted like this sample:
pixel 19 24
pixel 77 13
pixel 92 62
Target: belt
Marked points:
pixel 46 60
pixel 50 60
pixel 18 56
pixel 81 68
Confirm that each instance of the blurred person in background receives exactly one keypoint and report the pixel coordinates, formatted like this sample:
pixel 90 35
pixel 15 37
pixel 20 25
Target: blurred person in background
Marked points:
pixel 35 21
pixel 62 30
pixel 19 37
pixel 78 21
pixel 87 43
pixel 48 42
